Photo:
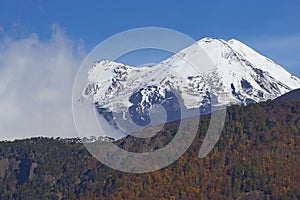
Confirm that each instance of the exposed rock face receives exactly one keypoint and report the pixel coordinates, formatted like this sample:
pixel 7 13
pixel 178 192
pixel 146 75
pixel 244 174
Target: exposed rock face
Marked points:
pixel 8 166
pixel 3 166
pixel 254 195
pixel 22 169
pixel 31 173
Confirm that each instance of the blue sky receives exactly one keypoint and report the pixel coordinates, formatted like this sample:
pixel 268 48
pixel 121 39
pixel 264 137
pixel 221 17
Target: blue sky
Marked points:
pixel 268 26
pixel 271 27
pixel 42 44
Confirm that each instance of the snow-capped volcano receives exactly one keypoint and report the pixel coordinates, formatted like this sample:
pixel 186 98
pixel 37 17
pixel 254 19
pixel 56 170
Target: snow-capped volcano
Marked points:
pixel 229 72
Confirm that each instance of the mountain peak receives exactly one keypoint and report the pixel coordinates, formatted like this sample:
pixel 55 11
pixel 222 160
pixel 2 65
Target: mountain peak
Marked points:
pixel 208 40
pixel 233 40
pixel 234 69
pixel 235 65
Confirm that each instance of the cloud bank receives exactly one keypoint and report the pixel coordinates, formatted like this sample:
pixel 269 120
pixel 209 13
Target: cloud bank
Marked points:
pixel 36 81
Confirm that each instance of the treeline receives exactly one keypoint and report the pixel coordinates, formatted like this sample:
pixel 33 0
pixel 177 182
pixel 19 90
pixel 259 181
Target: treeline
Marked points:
pixel 257 156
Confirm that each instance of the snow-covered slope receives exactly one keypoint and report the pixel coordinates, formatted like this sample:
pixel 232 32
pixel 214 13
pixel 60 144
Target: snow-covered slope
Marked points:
pixel 210 73
pixel 234 70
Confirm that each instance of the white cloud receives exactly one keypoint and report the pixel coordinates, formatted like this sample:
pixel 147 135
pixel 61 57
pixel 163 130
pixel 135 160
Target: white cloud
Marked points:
pixel 36 80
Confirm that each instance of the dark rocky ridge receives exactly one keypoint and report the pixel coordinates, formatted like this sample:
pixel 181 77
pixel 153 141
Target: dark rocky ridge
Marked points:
pixel 290 96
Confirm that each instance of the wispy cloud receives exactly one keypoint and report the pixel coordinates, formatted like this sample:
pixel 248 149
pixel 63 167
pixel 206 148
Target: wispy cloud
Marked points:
pixel 284 50
pixel 36 80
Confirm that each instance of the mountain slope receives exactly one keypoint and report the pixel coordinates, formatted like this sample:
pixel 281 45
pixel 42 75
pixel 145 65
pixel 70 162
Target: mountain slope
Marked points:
pixel 211 72
pixel 257 155
pixel 237 70
pixel 293 95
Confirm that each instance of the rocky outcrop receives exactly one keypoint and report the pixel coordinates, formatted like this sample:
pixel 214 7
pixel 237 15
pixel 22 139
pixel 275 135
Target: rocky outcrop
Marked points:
pixel 32 168
pixel 8 166
pixel 22 169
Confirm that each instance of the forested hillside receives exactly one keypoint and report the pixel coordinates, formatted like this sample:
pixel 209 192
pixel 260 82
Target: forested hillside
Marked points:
pixel 257 157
